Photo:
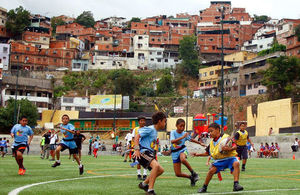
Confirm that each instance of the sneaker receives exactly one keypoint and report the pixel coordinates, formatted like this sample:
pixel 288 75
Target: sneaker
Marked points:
pixel 55 164
pixel 202 190
pixel 243 169
pixel 150 192
pixel 52 160
pixel 130 160
pixel 81 170
pixel 144 177
pixel 139 177
pixel 194 178
pixel 125 161
pixel 237 187
pixel 143 187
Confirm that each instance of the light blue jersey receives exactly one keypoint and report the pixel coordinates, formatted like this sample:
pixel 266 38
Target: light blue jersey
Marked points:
pixel 148 136
pixel 21 134
pixel 68 139
pixel 174 135
pixel 3 143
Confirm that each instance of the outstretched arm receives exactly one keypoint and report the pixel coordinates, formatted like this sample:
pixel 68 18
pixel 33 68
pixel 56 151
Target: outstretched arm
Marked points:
pixel 198 142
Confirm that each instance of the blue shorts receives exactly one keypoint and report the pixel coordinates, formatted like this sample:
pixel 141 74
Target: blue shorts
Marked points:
pixel 221 165
pixel 176 156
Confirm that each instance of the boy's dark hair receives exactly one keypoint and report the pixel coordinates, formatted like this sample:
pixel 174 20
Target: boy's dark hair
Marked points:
pixel 242 123
pixel 0 138
pixel 180 120
pixel 158 117
pixel 141 117
pixel 276 143
pixel 66 116
pixel 214 126
pixel 23 117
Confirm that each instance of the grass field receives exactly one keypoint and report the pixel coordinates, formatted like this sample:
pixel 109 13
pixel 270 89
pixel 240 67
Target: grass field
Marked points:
pixel 110 175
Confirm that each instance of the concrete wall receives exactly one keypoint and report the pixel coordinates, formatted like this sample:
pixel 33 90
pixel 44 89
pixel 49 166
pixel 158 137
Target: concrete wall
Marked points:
pixel 171 123
pixel 276 114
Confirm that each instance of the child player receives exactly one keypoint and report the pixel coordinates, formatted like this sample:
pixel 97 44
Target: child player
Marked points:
pixel 142 123
pixel 222 159
pixel 144 151
pixel 20 133
pixel 68 131
pixel 179 151
pixel 240 138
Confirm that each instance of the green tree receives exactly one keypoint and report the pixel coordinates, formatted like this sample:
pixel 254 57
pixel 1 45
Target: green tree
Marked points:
pixel 133 19
pixel 26 109
pixel 262 18
pixel 86 19
pixel 282 77
pixel 165 86
pixel 17 21
pixel 189 55
pixel 124 81
pixel 56 22
pixel 297 32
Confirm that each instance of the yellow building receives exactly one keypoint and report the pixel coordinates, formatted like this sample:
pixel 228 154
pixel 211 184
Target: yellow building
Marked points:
pixel 276 114
pixel 240 56
pixel 209 77
pixel 47 114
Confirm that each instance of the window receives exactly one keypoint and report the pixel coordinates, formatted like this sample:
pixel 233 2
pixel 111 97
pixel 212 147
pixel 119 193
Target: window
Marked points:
pixel 152 39
pixel 151 59
pixel 54 52
pixel 158 60
pixel 211 39
pixel 211 72
pixel 77 65
pixel 68 107
pixel 166 60
pixel 68 100
pixel 80 108
pixel 150 52
pixel 140 37
pixel 158 53
pixel 250 86
pixel 204 74
pixel 5 49
pixel 176 60
pixel 256 85
pixel 102 63
pixel 214 82
pixel 54 60
pixel 45 39
pixel 27 48
pixel 140 45
pixel 68 54
pixel 201 84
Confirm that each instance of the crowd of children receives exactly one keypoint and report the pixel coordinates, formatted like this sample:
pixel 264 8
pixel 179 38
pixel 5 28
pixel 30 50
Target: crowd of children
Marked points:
pixel 268 151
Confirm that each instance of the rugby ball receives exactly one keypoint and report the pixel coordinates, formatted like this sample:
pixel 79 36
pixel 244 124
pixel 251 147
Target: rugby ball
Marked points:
pixel 224 142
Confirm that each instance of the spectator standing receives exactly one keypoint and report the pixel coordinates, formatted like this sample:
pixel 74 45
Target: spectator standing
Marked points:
pixel 53 140
pixel 42 143
pixel 46 147
pixel 128 140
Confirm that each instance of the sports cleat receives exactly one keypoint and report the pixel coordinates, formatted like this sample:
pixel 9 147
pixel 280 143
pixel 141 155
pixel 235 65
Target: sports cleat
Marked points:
pixel 20 172
pixel 130 160
pixel 144 187
pixel 243 169
pixel 202 190
pixel 125 161
pixel 23 171
pixel 194 178
pixel 55 164
pixel 144 177
pixel 139 177
pixel 81 170
pixel 150 193
pixel 237 187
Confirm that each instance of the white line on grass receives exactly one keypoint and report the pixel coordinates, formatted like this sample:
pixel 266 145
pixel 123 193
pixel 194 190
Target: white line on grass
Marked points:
pixel 254 191
pixel 18 190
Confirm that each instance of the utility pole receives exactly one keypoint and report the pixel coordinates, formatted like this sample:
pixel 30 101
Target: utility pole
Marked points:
pixel 16 92
pixel 187 106
pixel 222 70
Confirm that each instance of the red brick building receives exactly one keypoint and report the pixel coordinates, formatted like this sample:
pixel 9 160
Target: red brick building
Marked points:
pixel 293 46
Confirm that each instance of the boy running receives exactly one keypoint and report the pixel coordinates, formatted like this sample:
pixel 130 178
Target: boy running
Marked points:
pixel 240 138
pixel 144 151
pixel 68 131
pixel 142 123
pixel 179 151
pixel 95 148
pixel 223 159
pixel 20 133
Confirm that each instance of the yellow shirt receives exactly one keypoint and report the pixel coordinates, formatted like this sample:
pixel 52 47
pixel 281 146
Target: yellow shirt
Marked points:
pixel 242 141
pixel 216 154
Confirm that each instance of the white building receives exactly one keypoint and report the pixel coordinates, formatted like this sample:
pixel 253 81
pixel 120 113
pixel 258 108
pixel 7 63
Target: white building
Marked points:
pixel 141 50
pixel 75 103
pixel 115 21
pixel 258 45
pixel 4 55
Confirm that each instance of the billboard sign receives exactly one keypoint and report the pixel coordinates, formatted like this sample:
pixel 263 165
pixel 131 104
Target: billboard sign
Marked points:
pixel 105 101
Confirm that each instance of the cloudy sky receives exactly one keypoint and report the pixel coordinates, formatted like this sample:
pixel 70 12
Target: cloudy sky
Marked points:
pixel 144 8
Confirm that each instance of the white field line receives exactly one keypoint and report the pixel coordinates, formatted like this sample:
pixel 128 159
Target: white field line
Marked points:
pixel 18 190
pixel 253 191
